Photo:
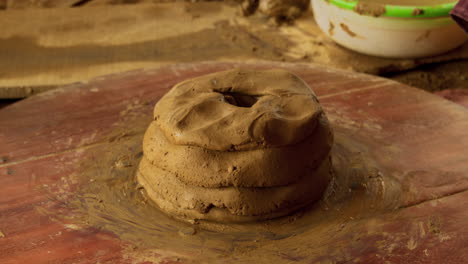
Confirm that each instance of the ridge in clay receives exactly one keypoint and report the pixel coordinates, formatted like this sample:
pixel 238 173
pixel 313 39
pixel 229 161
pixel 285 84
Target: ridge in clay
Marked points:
pixel 237 146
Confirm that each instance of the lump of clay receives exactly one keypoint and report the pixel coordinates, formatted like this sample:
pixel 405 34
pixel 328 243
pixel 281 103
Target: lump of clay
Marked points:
pixel 279 10
pixel 237 146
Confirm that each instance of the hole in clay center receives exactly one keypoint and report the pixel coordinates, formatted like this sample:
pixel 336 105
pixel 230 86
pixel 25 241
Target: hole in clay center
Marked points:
pixel 240 100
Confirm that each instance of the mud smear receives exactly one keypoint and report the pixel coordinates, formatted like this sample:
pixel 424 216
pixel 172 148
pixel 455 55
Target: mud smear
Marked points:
pixel 348 31
pixel 109 199
pixel 370 9
pixel 222 41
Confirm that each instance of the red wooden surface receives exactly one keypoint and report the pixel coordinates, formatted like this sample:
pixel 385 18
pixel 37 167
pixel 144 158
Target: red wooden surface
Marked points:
pixel 42 138
pixel 459 96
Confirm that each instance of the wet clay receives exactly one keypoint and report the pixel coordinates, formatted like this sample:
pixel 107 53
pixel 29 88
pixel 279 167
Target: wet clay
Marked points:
pixel 237 146
pixel 279 10
pixel 110 199
pixel 370 9
pixel 355 219
pixel 283 9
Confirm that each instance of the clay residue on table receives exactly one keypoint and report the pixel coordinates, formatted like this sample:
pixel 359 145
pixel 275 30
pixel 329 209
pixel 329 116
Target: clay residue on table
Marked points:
pixel 110 199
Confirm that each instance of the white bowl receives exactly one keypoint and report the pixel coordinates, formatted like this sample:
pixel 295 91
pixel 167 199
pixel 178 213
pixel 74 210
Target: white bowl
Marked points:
pixel 385 36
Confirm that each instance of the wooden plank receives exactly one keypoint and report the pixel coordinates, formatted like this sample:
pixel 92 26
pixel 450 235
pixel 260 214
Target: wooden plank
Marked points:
pixel 421 136
pixel 29 233
pixel 459 96
pixel 431 232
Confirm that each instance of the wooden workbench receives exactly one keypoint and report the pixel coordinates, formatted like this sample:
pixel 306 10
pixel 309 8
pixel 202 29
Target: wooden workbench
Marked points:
pixel 45 138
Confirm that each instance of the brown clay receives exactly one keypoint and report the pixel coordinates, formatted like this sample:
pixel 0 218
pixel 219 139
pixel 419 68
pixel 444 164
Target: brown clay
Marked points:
pixel 280 10
pixel 237 146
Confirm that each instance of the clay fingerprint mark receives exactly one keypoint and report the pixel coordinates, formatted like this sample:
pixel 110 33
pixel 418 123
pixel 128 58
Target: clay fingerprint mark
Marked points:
pixel 331 29
pixel 347 30
pixel 423 36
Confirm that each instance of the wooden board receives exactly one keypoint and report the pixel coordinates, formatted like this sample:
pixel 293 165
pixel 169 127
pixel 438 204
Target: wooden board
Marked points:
pixel 44 138
pixel 459 96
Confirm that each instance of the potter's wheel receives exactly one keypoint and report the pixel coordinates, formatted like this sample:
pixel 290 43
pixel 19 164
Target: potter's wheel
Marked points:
pixel 57 149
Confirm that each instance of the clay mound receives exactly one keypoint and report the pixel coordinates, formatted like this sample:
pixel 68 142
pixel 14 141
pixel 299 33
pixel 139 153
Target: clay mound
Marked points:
pixel 231 204
pixel 235 168
pixel 237 146
pixel 239 110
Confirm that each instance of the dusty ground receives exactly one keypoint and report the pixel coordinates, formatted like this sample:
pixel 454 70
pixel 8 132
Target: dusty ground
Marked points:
pixel 45 43
pixel 435 77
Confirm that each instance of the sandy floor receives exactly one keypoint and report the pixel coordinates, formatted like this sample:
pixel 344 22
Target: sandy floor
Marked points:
pixel 45 43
